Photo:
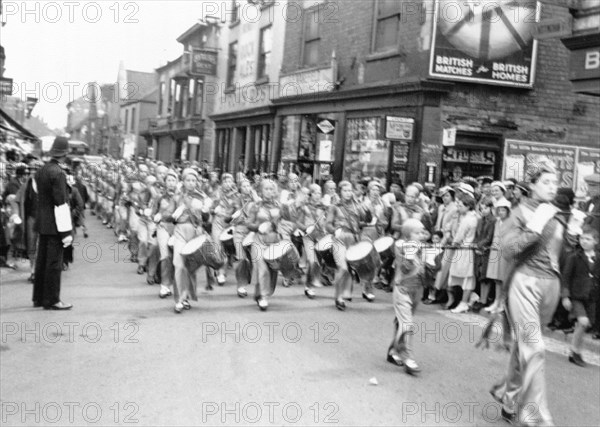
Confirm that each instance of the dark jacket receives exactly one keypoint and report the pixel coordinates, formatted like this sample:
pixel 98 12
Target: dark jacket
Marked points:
pixel 51 183
pixel 484 236
pixel 579 276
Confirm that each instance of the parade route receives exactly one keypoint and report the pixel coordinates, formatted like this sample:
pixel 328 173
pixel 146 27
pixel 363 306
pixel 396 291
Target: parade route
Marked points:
pixel 122 356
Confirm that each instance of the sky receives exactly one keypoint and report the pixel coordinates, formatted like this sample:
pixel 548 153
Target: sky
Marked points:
pixel 54 48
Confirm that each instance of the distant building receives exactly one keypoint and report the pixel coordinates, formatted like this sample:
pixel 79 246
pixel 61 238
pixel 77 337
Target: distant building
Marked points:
pixel 181 130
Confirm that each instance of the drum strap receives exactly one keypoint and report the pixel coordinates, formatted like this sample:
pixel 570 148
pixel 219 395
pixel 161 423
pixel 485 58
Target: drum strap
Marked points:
pixel 352 222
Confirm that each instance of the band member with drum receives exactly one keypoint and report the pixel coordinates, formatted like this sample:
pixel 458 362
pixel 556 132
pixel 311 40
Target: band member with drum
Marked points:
pixel 243 269
pixel 226 202
pixel 163 209
pixel 193 208
pixel 344 222
pixel 262 219
pixel 379 212
pixel 408 282
pixel 314 214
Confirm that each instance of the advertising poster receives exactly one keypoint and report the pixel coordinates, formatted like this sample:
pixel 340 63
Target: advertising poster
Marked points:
pixel 487 41
pixel 518 155
pixel 588 162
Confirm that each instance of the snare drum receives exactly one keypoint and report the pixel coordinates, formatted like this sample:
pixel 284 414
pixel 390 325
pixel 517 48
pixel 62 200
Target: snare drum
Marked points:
pixel 324 251
pixel 315 233
pixel 385 248
pixel 283 256
pixel 364 260
pixel 201 251
pixel 226 239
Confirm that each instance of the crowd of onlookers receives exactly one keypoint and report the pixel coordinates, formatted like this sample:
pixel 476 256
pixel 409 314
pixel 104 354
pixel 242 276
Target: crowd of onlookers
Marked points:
pixel 465 222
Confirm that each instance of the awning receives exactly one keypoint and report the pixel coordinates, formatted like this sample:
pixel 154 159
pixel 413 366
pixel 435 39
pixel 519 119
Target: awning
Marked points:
pixel 12 128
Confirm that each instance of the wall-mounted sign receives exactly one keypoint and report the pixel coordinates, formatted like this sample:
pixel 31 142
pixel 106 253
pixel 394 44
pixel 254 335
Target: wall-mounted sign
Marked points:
pixel 6 86
pixel 306 82
pixel 486 41
pixel 203 62
pixel 325 126
pixel 193 140
pixel 399 128
pixel 449 137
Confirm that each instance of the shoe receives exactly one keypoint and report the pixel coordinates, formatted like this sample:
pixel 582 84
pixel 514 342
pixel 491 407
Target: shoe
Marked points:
pixel 242 292
pixel 122 238
pixel 59 306
pixel 209 287
pixel 104 222
pixel 287 283
pixel 369 297
pixel 340 304
pixel 150 281
pixel 65 266
pixel 37 304
pixel 394 359
pixel 509 417
pixel 221 279
pixel 263 304
pixel 85 235
pixel 348 299
pixel 164 292
pixel 491 308
pixel 141 269
pixel 178 308
pixel 309 293
pixel 462 307
pixel 186 305
pixel 411 367
pixel 576 359
pixel 31 278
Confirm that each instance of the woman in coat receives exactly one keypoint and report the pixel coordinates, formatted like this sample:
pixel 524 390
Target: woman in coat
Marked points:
pixel 461 272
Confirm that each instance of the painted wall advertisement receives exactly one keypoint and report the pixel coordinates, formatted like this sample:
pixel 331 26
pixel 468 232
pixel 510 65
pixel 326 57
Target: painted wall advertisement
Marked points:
pixel 573 163
pixel 486 41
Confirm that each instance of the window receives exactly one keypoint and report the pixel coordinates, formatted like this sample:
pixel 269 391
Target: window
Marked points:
pixel 126 121
pixel 232 63
pixel 311 38
pixel 264 56
pixel 235 12
pixel 178 100
pixel 161 94
pixel 172 89
pixel 190 97
pixel 132 120
pixel 387 25
pixel 199 97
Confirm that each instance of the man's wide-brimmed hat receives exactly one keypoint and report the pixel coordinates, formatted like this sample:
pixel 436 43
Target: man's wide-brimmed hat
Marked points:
pixel 60 147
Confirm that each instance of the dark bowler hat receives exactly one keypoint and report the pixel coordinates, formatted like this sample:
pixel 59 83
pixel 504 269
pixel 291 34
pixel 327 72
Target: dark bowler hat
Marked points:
pixel 60 147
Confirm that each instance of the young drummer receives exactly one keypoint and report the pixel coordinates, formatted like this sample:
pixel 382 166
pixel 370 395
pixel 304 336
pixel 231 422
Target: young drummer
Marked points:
pixel 410 270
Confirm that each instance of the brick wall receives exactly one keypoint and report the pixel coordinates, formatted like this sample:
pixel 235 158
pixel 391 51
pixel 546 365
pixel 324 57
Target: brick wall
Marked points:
pixel 551 112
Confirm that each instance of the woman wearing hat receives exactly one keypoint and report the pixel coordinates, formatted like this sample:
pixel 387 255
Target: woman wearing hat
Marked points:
pixel 498 190
pixel 192 210
pixel 520 193
pixel 497 266
pixel 462 273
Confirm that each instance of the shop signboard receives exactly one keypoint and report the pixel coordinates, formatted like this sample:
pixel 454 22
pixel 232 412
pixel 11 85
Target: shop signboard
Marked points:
pixel 486 41
pixel 401 128
pixel 203 62
pixel 518 155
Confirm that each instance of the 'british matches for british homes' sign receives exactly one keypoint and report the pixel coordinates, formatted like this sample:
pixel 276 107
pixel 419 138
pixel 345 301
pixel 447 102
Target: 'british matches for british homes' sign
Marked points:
pixel 488 41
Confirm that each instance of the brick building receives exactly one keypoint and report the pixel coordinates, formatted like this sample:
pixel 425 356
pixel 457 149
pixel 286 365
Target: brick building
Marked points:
pixel 181 131
pixel 371 88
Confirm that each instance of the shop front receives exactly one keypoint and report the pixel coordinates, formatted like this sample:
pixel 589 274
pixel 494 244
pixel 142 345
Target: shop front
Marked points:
pixel 362 133
pixel 244 141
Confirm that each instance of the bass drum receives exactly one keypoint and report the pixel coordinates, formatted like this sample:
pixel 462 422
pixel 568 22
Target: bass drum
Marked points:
pixel 385 248
pixel 324 251
pixel 284 257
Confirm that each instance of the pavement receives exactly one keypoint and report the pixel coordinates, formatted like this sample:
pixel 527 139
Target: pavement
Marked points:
pixel 121 356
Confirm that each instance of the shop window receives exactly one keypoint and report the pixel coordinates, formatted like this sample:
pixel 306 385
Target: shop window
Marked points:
pixel 367 152
pixel 387 25
pixel 132 129
pixel 223 149
pixel 311 38
pixel 232 63
pixel 264 56
pixel 190 97
pixel 161 95
pixel 172 90
pixel 126 124
pixel 461 162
